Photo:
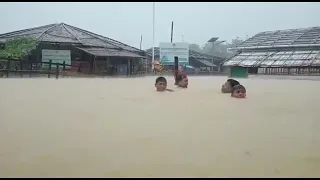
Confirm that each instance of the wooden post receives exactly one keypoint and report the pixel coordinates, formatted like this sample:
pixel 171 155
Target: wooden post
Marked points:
pixel 21 67
pixel 105 67
pixel 80 67
pixel 131 65
pixel 108 64
pixel 8 67
pixel 57 71
pixel 128 67
pixel 64 65
pixel 49 69
pixel 30 70
pixel 63 68
pixel 176 67
pixel 94 65
pixel 176 63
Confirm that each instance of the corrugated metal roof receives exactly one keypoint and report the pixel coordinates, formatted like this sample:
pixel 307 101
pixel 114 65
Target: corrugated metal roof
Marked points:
pixel 199 56
pixel 103 52
pixel 205 62
pixel 64 33
pixel 283 38
pixel 275 59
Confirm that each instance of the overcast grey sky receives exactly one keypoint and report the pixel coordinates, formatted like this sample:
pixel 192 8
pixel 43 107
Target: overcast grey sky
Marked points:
pixel 197 22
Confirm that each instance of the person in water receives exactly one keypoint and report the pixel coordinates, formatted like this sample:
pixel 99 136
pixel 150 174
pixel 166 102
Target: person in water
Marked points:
pixel 239 91
pixel 228 85
pixel 182 81
pixel 176 73
pixel 161 84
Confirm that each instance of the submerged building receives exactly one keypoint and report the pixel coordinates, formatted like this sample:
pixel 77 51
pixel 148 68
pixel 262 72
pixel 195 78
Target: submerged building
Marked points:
pixel 78 47
pixel 292 51
pixel 196 59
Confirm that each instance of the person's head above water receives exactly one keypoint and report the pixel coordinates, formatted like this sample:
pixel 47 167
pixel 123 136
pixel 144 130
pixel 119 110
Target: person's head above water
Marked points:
pixel 176 73
pixel 227 86
pixel 181 80
pixel 161 84
pixel 239 91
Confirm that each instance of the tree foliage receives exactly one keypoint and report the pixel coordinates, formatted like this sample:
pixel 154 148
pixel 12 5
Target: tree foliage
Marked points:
pixel 18 48
pixel 218 49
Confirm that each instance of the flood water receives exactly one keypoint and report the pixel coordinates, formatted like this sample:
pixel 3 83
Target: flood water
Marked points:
pixel 123 128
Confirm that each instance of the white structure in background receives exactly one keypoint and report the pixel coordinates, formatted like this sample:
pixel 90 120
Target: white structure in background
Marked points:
pixel 169 50
pixel 57 56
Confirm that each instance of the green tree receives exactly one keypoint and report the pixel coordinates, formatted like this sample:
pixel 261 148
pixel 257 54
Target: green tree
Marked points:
pixel 195 47
pixel 237 41
pixel 219 49
pixel 18 48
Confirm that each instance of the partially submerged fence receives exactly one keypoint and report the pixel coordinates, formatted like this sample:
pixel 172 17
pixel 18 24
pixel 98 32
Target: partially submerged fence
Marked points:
pixel 14 68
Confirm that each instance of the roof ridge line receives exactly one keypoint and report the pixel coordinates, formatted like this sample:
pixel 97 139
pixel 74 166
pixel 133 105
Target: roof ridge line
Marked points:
pixel 71 33
pixel 291 29
pixel 99 37
pixel 24 30
pixel 92 34
pixel 46 31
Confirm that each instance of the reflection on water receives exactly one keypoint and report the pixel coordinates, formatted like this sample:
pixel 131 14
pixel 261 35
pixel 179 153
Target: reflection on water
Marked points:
pixel 123 128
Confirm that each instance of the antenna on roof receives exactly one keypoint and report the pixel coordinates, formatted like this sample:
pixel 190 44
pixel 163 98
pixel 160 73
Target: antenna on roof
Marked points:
pixel 171 31
pixel 140 41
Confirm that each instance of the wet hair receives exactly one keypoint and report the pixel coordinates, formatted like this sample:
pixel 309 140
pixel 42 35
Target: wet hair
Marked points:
pixel 161 79
pixel 233 82
pixel 180 76
pixel 238 87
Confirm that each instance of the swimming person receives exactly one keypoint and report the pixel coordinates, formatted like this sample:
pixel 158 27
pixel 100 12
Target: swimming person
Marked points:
pixel 181 80
pixel 228 85
pixel 239 91
pixel 176 73
pixel 161 84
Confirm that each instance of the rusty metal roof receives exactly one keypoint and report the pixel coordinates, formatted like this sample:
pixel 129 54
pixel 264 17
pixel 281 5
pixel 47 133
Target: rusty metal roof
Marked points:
pixel 64 33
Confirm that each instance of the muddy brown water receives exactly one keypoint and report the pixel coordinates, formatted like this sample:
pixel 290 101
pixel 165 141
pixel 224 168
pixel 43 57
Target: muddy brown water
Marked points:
pixel 123 128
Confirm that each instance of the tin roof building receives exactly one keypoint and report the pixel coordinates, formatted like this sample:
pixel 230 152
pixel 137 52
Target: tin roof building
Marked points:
pixel 95 51
pixel 292 48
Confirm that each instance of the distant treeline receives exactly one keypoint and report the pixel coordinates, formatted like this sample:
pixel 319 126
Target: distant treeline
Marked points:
pixel 220 49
